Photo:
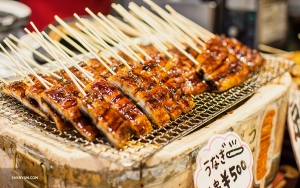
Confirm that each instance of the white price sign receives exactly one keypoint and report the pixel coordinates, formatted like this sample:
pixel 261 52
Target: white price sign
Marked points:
pixel 225 162
pixel 294 121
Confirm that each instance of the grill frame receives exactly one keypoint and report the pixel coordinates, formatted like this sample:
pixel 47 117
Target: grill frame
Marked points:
pixel 208 106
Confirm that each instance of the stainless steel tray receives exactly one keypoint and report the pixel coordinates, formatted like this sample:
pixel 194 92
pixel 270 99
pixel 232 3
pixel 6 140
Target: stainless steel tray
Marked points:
pixel 208 106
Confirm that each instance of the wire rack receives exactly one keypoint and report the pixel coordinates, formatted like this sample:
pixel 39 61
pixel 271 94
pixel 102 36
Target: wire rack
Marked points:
pixel 208 106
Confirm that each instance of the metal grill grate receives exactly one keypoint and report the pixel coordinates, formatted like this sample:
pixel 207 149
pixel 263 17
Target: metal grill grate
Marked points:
pixel 208 106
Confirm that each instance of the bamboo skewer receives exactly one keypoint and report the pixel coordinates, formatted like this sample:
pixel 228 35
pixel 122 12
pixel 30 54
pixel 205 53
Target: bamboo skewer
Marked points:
pixel 123 26
pixel 174 30
pixel 120 38
pixel 117 56
pixel 125 37
pixel 4 81
pixel 12 59
pixel 30 48
pixel 70 52
pixel 111 30
pixel 97 38
pixel 188 21
pixel 96 55
pixel 13 69
pixel 145 33
pixel 99 52
pixel 68 39
pixel 171 20
pixel 31 70
pixel 59 61
pixel 32 62
pixel 172 41
pixel 69 58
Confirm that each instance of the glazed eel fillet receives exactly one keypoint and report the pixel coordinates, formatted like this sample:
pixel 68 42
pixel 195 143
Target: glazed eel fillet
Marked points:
pixel 63 99
pixel 114 127
pixel 17 90
pixel 35 92
pixel 139 123
pixel 143 76
pixel 164 88
pixel 151 106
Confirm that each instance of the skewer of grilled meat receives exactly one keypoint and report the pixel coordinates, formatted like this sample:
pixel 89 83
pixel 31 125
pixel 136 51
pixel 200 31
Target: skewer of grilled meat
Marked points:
pixel 34 93
pixel 63 99
pixel 17 90
pixel 146 83
pixel 118 102
pixel 121 104
pixel 151 77
pixel 114 127
pixel 151 106
pixel 249 56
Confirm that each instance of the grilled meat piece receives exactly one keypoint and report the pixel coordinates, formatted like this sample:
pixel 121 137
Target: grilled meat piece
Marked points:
pixel 186 75
pixel 34 92
pixel 151 106
pixel 232 72
pixel 17 90
pixel 138 121
pixel 107 120
pixel 63 101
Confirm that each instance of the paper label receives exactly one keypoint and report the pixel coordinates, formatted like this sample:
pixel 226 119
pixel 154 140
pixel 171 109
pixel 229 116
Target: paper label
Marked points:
pixel 294 121
pixel 225 162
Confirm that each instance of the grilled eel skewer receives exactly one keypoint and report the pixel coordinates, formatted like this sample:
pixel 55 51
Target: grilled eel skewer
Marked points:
pixel 163 98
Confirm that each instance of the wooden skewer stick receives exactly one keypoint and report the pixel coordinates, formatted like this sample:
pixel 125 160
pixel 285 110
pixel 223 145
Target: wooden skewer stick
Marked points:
pixel 70 52
pixel 60 21
pixel 125 37
pixel 128 51
pixel 99 52
pixel 94 45
pixel 190 22
pixel 60 54
pixel 106 35
pixel 172 41
pixel 123 26
pixel 146 33
pixel 170 19
pixel 69 58
pixel 32 62
pixel 100 40
pixel 68 39
pixel 196 31
pixel 116 55
pixel 31 70
pixel 30 48
pixel 46 45
pixel 13 69
pixel 4 81
pixel 101 49
pixel 271 49
pixel 39 41
pixel 113 32
pixel 150 20
pixel 17 64
pixel 183 37
pixel 59 61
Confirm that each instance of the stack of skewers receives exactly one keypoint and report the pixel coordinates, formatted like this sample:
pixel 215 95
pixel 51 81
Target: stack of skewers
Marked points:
pixel 135 88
